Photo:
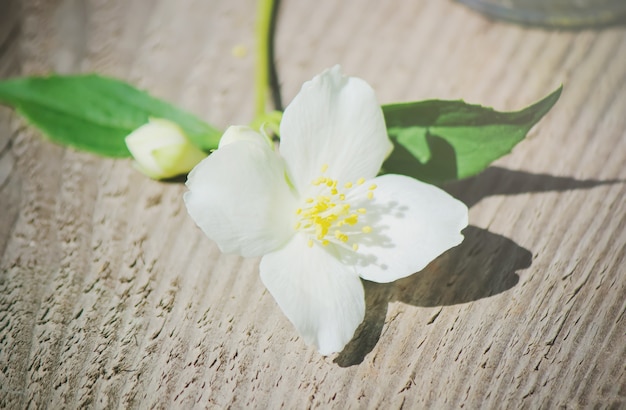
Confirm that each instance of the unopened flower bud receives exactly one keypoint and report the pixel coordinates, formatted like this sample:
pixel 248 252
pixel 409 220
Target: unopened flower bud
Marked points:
pixel 236 133
pixel 161 150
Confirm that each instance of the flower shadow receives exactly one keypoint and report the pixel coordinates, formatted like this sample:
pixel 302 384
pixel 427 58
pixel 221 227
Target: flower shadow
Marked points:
pixel 502 181
pixel 484 265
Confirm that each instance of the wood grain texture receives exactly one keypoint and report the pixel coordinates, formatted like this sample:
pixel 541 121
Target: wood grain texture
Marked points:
pixel 110 296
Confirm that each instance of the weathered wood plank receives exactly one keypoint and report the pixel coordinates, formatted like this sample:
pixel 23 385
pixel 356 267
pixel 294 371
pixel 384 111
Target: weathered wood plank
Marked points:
pixel 111 297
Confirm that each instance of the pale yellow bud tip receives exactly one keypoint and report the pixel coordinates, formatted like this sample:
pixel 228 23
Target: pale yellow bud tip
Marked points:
pixel 161 150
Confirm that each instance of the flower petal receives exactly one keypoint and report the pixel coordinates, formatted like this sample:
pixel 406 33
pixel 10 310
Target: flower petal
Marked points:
pixel 334 120
pixel 239 197
pixel 322 297
pixel 412 223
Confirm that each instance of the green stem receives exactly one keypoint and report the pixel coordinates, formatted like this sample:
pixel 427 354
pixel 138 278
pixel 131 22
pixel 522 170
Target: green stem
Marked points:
pixel 274 82
pixel 262 78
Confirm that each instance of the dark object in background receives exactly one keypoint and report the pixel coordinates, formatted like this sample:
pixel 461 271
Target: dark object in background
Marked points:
pixel 569 14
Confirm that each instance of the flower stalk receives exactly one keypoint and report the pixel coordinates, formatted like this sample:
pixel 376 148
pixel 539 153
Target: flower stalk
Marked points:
pixel 263 36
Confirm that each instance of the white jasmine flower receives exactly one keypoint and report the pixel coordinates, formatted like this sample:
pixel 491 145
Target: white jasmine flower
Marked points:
pixel 161 149
pixel 316 211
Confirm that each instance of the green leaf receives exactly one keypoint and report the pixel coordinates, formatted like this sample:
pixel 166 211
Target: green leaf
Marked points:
pixel 438 141
pixel 95 113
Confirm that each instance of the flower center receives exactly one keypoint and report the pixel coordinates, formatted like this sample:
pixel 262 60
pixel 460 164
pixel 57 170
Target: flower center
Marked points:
pixel 329 217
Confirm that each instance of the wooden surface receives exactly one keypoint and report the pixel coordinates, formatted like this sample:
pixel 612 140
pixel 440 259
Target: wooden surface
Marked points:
pixel 111 297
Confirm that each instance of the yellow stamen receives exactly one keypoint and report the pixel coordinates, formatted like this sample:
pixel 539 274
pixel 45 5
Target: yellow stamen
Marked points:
pixel 326 217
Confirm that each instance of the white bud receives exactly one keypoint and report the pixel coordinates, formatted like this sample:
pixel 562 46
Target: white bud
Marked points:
pixel 161 149
pixel 236 133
